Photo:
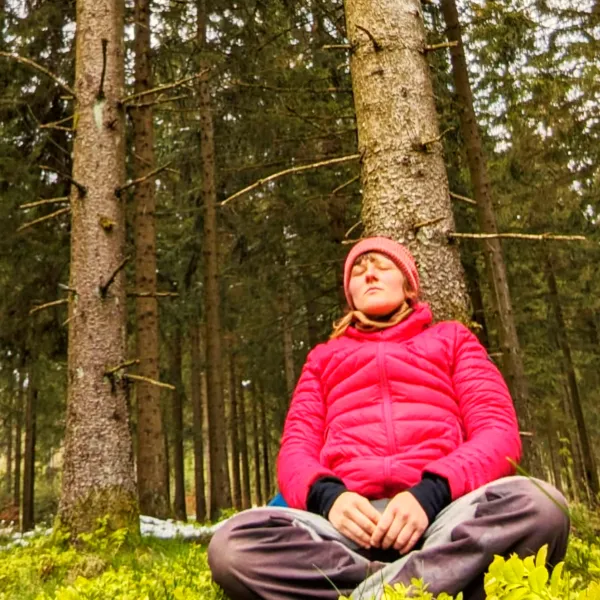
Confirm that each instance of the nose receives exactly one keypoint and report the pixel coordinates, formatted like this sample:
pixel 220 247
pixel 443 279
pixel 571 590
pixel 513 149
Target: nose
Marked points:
pixel 371 272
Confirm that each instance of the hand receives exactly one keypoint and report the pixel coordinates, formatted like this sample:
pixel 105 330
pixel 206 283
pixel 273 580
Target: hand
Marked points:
pixel 354 516
pixel 402 524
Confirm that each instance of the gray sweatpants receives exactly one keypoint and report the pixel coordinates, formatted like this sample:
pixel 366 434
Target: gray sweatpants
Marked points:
pixel 283 553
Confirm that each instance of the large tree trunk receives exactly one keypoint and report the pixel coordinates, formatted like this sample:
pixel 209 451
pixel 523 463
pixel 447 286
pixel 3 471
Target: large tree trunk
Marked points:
pixel 236 482
pixel 18 439
pixel 198 421
pixel 405 188
pixel 178 400
pixel 589 464
pixel 27 513
pixel 98 475
pixel 501 305
pixel 151 460
pixel 220 488
pixel 244 455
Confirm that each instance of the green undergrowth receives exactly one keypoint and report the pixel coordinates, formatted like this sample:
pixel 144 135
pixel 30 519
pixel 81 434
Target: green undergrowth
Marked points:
pixel 115 565
pixel 103 566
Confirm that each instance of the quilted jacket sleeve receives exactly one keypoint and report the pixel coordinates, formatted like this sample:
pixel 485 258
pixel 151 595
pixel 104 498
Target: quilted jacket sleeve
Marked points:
pixel 298 465
pixel 488 418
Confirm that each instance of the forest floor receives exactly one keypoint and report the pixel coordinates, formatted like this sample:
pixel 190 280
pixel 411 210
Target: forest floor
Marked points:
pixel 169 562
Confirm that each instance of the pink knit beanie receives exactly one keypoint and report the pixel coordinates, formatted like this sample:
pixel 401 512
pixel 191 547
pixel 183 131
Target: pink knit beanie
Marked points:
pixel 401 257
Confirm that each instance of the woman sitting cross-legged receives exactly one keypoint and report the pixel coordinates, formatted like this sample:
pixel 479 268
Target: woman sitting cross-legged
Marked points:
pixel 396 460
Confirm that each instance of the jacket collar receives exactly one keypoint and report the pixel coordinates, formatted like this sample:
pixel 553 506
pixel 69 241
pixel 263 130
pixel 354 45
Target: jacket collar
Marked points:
pixel 419 320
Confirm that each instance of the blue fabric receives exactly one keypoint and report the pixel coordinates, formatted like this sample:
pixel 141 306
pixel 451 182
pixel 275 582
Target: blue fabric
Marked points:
pixel 277 501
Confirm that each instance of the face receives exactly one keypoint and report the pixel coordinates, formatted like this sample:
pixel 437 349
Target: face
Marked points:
pixel 376 285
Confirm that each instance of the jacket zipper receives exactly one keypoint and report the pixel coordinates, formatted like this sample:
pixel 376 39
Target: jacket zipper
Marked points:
pixel 387 400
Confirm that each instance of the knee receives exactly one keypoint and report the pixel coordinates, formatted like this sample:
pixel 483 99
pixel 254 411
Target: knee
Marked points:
pixel 547 507
pixel 227 547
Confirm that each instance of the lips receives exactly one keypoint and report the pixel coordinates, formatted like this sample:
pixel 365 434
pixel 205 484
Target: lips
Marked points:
pixel 373 289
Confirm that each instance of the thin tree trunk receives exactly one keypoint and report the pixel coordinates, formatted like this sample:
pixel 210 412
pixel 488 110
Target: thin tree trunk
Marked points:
pixel 178 400
pixel 265 445
pixel 8 428
pixel 27 513
pixel 258 496
pixel 555 460
pixel 590 471
pixel 18 439
pixel 220 488
pixel 98 473
pixel 311 317
pixel 234 434
pixel 405 187
pixel 151 460
pixel 501 304
pixel 198 421
pixel 244 455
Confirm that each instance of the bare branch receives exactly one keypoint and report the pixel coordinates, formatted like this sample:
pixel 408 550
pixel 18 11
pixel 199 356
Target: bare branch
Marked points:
pixel 56 213
pixel 316 165
pixel 31 63
pixel 462 198
pixel 122 366
pixel 378 47
pixel 160 101
pixel 272 88
pixel 104 287
pixel 359 222
pixel 148 380
pixel 59 200
pixel 337 47
pixel 48 305
pixel 417 226
pixel 135 294
pixel 54 124
pixel 139 180
pixel 519 236
pixel 344 185
pixel 81 188
pixel 162 88
pixel 433 47
pixel 421 146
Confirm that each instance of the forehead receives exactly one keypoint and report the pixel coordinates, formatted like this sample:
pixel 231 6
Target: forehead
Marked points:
pixel 372 257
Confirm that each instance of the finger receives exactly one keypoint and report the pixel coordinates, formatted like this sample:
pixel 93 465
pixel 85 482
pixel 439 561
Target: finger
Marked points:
pixel 384 524
pixel 369 511
pixel 355 533
pixel 412 542
pixel 404 535
pixel 395 530
pixel 363 521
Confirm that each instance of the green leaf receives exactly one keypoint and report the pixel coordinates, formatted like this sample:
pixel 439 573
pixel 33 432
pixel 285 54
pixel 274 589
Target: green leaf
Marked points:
pixel 542 555
pixel 538 578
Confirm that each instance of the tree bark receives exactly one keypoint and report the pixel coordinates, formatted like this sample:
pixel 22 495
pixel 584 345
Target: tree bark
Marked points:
pixel 589 465
pixel 18 439
pixel 178 400
pixel 265 445
pixel 244 456
pixel 198 421
pixel 236 482
pixel 501 304
pixel 27 512
pixel 98 475
pixel 151 460
pixel 220 488
pixel 405 187
pixel 8 427
pixel 258 496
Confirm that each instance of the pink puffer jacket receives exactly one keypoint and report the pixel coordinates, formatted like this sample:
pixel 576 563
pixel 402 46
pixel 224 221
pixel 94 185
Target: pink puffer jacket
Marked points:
pixel 379 409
